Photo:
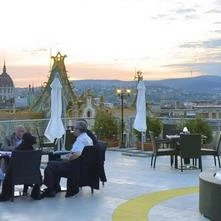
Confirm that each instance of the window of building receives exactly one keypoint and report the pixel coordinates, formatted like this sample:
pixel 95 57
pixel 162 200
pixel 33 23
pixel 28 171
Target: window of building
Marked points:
pixel 204 115
pixel 88 113
pixel 213 115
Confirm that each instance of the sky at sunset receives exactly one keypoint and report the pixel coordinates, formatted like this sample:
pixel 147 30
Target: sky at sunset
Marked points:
pixel 110 39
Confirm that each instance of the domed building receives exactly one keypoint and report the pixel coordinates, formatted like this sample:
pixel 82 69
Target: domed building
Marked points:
pixel 6 89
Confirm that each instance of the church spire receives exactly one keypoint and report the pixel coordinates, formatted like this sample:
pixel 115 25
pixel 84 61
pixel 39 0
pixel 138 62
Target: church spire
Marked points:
pixel 4 68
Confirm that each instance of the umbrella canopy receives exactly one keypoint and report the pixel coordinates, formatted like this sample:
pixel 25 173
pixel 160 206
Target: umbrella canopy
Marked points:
pixel 55 128
pixel 140 119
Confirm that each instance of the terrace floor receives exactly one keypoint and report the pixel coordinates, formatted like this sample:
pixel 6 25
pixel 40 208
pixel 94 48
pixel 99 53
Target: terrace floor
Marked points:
pixel 128 177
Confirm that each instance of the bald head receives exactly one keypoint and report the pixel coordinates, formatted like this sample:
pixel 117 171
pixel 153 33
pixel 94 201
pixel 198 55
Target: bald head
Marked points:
pixel 19 131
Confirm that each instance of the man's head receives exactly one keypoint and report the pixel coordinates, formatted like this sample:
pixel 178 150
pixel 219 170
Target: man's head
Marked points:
pixel 80 127
pixel 19 131
pixel 28 139
pixel 83 120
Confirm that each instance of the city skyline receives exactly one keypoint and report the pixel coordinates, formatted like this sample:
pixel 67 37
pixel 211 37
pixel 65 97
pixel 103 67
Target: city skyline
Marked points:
pixel 111 39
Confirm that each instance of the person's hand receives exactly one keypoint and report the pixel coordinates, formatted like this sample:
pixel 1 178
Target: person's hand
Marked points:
pixel 66 157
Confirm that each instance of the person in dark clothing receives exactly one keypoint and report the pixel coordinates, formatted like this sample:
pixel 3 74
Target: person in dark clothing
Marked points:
pixel 27 144
pixel 93 138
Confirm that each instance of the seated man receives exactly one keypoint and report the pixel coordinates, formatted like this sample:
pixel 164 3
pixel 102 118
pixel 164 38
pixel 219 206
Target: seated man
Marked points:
pixel 10 143
pixel 69 166
pixel 14 140
pixel 90 134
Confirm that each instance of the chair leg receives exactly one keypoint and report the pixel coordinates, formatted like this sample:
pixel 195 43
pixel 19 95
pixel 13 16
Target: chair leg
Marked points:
pixel 171 160
pixel 92 190
pixel 151 163
pixel 218 160
pixel 214 157
pixel 176 161
pixel 181 161
pixel 200 163
pixel 154 164
pixel 12 196
pixel 194 162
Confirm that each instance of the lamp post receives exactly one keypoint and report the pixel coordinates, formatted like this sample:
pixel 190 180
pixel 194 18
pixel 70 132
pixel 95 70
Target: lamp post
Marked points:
pixel 122 93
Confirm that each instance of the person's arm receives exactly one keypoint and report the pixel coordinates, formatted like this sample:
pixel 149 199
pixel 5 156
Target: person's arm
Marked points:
pixel 71 156
pixel 76 150
pixel 74 156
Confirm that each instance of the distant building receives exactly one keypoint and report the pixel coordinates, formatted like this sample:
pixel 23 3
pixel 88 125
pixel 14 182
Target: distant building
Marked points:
pixel 31 96
pixel 21 102
pixel 42 104
pixel 7 90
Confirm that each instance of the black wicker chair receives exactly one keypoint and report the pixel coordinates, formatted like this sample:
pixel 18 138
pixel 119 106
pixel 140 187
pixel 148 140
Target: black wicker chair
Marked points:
pixel 214 151
pixel 190 145
pixel 102 146
pixel 25 168
pixel 45 146
pixel 160 152
pixel 89 170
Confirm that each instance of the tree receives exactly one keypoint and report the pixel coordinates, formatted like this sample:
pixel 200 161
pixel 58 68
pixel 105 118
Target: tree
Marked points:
pixel 105 126
pixel 153 124
pixel 199 126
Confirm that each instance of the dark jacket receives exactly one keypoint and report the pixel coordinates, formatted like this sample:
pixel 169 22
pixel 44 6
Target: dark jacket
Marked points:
pixel 27 141
pixel 9 142
pixel 93 138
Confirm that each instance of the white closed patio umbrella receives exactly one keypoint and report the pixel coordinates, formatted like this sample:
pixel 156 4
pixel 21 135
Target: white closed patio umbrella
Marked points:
pixel 140 119
pixel 55 128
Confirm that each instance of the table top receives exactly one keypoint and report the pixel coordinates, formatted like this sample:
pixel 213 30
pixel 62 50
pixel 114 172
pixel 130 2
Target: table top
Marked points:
pixel 5 153
pixel 176 136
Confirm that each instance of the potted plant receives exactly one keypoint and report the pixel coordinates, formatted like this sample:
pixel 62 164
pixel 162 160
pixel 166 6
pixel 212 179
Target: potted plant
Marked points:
pixel 106 127
pixel 153 124
pixel 199 126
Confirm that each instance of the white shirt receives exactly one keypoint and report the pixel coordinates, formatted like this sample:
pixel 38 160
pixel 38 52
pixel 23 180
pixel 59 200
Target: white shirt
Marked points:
pixel 82 140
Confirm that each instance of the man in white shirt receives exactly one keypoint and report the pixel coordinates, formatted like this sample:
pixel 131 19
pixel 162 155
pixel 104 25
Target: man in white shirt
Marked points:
pixel 70 165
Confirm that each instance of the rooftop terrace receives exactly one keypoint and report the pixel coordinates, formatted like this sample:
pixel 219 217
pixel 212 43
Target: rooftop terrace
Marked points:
pixel 128 178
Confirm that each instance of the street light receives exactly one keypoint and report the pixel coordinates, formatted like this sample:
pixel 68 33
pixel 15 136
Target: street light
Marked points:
pixel 122 93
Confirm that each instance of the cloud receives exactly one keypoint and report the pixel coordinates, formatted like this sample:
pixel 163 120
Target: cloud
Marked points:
pixel 191 45
pixel 24 75
pixel 217 31
pixel 213 11
pixel 185 11
pixel 210 68
pixel 214 43
pixel 36 50
pixel 191 17
pixel 213 55
pixel 131 59
pixel 188 13
pixel 160 17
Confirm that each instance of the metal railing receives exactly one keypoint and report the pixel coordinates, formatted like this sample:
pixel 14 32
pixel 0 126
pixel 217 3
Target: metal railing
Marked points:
pixel 7 127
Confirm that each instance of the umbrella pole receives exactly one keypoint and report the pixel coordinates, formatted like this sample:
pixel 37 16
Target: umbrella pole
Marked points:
pixel 142 142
